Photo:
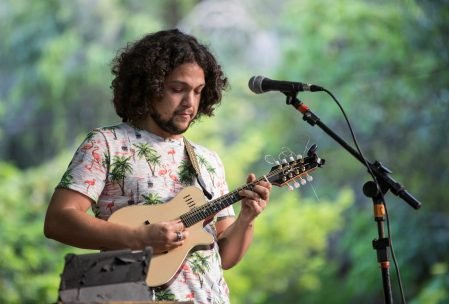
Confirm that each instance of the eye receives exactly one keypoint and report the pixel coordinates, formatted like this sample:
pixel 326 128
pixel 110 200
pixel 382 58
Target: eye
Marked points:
pixel 177 89
pixel 199 90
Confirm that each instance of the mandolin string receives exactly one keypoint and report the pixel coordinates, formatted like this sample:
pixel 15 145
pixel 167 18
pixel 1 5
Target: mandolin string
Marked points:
pixel 199 213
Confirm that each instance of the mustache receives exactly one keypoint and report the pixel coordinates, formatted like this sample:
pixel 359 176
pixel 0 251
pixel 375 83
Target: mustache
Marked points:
pixel 183 111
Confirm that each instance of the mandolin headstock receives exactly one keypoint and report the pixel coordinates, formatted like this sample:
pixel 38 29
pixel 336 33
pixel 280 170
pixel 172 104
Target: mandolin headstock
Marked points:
pixel 296 169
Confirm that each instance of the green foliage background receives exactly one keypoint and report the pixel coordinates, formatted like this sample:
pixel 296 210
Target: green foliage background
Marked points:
pixel 386 61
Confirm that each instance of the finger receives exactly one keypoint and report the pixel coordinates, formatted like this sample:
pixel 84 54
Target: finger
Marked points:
pixel 262 190
pixel 185 234
pixel 248 194
pixel 179 236
pixel 177 225
pixel 265 184
pixel 251 177
pixel 254 205
pixel 257 194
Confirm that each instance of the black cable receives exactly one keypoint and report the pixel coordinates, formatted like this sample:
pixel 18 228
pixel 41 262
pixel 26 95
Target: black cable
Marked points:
pixel 381 194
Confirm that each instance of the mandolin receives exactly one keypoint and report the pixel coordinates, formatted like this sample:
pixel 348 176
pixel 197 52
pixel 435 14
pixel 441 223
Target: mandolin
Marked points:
pixel 190 206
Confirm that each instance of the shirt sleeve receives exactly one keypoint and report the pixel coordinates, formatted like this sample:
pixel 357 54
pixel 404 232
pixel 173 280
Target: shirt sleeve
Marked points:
pixel 88 169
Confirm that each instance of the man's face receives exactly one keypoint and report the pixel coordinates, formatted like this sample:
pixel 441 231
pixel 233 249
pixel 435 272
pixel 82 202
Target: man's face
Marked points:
pixel 174 112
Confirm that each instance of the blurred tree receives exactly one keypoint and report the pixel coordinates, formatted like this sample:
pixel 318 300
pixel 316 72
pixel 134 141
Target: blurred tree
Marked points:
pixel 55 69
pixel 370 53
pixel 385 54
pixel 386 62
pixel 30 265
pixel 289 254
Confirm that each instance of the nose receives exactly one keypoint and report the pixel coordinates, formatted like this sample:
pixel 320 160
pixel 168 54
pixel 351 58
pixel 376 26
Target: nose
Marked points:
pixel 190 98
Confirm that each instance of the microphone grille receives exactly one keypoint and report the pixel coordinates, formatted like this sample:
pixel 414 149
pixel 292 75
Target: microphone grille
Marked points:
pixel 255 84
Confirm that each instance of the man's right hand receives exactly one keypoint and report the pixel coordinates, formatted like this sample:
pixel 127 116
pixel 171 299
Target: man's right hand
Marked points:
pixel 162 236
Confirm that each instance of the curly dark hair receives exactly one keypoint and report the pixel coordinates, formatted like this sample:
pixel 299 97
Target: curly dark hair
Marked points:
pixel 142 67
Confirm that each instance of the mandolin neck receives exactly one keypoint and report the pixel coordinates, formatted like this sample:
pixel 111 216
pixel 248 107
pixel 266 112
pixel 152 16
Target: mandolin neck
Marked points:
pixel 201 213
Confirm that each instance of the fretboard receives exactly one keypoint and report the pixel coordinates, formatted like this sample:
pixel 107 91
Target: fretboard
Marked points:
pixel 278 176
pixel 201 213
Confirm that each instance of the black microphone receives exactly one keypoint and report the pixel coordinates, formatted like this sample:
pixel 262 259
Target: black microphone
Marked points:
pixel 260 84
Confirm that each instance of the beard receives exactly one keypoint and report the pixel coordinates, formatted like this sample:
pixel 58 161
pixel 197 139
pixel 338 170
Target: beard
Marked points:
pixel 168 125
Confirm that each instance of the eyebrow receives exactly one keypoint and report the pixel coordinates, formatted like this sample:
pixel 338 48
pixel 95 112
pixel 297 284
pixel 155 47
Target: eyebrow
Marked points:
pixel 185 83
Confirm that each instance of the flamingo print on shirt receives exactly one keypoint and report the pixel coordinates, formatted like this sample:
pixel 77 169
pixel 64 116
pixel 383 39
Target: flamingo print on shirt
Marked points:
pixel 89 183
pixel 115 168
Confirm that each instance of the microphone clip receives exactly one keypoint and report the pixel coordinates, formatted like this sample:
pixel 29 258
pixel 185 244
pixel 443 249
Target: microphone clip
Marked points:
pixel 292 99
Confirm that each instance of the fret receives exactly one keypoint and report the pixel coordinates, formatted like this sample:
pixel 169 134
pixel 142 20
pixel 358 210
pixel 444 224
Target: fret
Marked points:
pixel 294 168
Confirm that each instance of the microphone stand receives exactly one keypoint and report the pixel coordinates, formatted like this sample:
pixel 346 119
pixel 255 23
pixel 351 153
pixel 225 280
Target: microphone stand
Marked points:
pixel 370 189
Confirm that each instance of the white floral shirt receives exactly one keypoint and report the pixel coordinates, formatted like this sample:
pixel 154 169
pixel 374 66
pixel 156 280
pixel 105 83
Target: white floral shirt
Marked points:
pixel 120 166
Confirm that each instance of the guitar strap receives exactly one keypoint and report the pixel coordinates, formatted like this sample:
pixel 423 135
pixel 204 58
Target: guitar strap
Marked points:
pixel 194 162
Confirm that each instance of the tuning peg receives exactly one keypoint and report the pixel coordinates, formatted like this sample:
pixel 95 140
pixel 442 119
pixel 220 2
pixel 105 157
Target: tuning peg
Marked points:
pixel 303 181
pixel 290 187
pixel 284 161
pixel 296 184
pixel 299 156
pixel 309 178
pixel 277 163
pixel 312 150
pixel 291 158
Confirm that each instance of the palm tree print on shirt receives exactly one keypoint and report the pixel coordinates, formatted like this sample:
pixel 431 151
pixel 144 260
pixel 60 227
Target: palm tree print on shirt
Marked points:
pixel 151 156
pixel 200 265
pixel 152 199
pixel 211 170
pixel 165 295
pixel 121 167
pixel 112 129
pixel 106 160
pixel 66 179
pixel 186 173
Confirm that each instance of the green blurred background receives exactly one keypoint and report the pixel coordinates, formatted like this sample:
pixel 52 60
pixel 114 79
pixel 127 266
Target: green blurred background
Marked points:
pixel 386 61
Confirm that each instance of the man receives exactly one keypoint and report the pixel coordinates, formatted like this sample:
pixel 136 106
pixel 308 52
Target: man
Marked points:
pixel 163 83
